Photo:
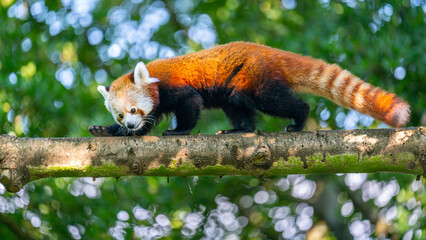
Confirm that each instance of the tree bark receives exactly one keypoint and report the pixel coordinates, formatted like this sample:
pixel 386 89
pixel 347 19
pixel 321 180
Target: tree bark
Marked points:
pixel 255 154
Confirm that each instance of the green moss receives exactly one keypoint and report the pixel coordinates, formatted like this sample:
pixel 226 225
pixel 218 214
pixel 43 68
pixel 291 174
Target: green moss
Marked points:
pixel 315 158
pixel 174 162
pixel 260 158
pixel 350 163
pixel 336 160
pixel 105 170
pixel 190 170
pixel 316 162
pixel 291 166
pixel 346 163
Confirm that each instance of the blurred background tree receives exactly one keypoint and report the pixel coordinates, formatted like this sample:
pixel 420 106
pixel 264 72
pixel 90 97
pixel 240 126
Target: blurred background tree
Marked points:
pixel 53 54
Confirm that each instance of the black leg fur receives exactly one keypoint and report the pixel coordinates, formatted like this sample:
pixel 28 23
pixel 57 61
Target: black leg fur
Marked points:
pixel 187 112
pixel 282 102
pixel 240 112
pixel 241 117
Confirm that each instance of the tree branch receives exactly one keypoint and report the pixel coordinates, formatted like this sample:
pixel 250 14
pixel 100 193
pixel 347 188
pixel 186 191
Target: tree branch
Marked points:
pixel 255 154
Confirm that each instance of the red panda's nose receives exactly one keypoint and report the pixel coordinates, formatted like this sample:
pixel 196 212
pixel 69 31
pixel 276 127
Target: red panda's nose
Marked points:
pixel 130 125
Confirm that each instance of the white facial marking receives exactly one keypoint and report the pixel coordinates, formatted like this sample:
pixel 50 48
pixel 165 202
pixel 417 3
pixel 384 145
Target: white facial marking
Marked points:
pixel 140 100
pixel 145 104
pixel 135 120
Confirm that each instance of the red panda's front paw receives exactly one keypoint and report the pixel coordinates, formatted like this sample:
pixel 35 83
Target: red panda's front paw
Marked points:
pixel 99 131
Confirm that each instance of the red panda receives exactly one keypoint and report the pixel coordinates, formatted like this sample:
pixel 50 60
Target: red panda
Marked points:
pixel 240 78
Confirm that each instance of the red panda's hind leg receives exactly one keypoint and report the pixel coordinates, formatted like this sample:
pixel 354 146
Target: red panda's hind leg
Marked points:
pixel 241 113
pixel 280 101
pixel 300 117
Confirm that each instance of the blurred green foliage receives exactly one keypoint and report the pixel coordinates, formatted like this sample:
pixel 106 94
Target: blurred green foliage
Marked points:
pixel 49 71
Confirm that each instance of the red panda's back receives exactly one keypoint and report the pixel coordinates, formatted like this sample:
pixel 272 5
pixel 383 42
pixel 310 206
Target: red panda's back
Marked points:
pixel 237 65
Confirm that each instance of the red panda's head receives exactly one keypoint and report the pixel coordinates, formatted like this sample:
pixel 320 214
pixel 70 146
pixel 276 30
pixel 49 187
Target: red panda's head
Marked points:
pixel 132 98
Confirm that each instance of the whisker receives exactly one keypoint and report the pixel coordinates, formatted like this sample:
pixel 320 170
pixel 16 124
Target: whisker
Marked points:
pixel 122 130
pixel 152 118
pixel 152 122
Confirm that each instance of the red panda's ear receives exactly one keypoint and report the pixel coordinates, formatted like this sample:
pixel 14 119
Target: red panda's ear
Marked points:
pixel 104 91
pixel 141 75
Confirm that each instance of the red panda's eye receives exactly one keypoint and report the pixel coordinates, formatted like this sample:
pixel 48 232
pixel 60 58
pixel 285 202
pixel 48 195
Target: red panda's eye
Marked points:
pixel 120 116
pixel 133 110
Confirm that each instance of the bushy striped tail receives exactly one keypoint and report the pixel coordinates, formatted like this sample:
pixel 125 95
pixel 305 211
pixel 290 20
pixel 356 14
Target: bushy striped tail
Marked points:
pixel 345 89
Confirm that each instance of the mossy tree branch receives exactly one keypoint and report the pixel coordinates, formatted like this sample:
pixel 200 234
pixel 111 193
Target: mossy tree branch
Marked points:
pixel 255 154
